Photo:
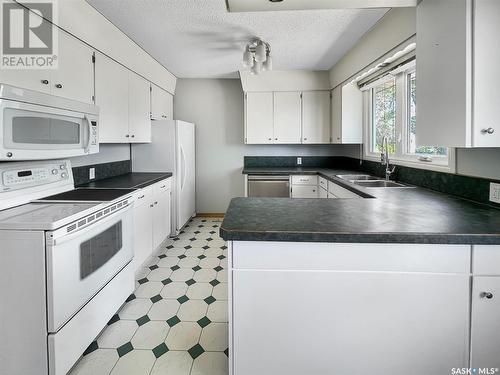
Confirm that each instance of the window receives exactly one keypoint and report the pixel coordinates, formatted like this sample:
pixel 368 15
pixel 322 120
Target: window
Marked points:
pixel 391 113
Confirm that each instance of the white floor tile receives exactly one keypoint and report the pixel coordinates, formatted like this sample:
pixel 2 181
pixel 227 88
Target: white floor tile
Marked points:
pixel 218 311
pixel 164 309
pixel 149 289
pixel 99 362
pixel 135 363
pixel 200 242
pixel 220 291
pixel 183 336
pixel 209 262
pixel 117 334
pixel 183 274
pixel 205 275
pixel 192 310
pixel 150 335
pixel 135 309
pixel 159 274
pixel 168 262
pixel 188 262
pixel 215 337
pixel 173 363
pixel 194 252
pixel 199 291
pixel 174 290
pixel 211 364
pixel 222 276
pixel 213 252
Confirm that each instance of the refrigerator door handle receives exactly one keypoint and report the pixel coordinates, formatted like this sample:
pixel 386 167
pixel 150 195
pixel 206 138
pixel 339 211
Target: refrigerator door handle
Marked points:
pixel 183 168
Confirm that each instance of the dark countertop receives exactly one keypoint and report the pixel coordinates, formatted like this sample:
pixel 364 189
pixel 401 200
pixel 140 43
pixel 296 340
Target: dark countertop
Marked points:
pixel 134 180
pixel 395 215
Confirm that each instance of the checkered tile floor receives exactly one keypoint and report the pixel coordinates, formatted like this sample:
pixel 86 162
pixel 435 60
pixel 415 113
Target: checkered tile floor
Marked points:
pixel 175 323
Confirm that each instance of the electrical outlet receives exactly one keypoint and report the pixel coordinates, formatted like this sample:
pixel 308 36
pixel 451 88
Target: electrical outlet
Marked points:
pixel 299 161
pixel 91 173
pixel 495 192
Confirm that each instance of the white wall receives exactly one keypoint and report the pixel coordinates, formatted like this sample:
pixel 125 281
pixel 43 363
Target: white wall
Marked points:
pixel 216 107
pixel 479 162
pixel 107 153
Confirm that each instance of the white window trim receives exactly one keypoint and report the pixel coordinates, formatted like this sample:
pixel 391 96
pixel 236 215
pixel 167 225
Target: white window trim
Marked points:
pixel 401 157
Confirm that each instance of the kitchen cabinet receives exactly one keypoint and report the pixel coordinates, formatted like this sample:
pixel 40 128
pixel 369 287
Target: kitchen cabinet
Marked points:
pixel 457 91
pixel 357 304
pixel 73 78
pixel 304 186
pixel 322 193
pixel 485 325
pixel 347 115
pixel 139 107
pixel 152 218
pixel 162 103
pixel 339 192
pixel 316 117
pixel 124 101
pixel 287 117
pixel 259 115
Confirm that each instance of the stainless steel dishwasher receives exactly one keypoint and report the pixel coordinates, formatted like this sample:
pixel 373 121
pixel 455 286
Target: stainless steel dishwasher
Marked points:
pixel 269 186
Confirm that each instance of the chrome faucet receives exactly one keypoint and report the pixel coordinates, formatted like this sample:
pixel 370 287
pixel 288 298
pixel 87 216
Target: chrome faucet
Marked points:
pixel 384 159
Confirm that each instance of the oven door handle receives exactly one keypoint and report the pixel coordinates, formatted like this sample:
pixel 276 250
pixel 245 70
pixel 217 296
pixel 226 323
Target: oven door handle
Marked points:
pixel 87 134
pixel 51 241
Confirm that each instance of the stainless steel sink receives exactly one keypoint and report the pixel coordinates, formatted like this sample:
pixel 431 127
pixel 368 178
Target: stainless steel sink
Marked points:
pixel 380 183
pixel 358 177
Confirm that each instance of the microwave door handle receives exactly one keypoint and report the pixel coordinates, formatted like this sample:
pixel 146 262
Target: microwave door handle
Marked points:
pixel 87 134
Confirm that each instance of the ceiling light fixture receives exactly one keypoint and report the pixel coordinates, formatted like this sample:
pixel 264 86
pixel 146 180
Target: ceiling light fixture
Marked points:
pixel 257 56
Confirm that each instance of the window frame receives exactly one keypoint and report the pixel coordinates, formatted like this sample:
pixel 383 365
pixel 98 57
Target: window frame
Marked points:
pixel 402 155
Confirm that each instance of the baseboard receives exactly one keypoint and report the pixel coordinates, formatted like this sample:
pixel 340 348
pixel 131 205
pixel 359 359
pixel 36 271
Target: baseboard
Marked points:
pixel 209 214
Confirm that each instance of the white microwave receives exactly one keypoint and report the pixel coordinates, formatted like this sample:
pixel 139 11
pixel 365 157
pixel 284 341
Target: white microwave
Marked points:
pixel 35 126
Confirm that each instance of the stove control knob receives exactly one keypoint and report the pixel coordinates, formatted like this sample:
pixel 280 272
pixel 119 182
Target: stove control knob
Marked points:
pixel 55 171
pixel 64 175
pixel 62 166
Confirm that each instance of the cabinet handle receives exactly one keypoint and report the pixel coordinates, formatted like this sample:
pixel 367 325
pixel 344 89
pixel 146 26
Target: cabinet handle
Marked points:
pixel 162 187
pixel 45 81
pixel 488 131
pixel 275 139
pixel 151 205
pixel 156 203
pixel 59 86
pixel 305 139
pixel 314 191
pixel 142 196
pixel 127 136
pixel 133 135
pixel 487 295
pixel 269 139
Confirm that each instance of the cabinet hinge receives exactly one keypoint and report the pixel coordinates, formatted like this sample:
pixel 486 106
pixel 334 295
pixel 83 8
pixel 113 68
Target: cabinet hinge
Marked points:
pixel 150 88
pixel 93 98
pixel 300 95
pixel 93 58
pixel 246 95
pixel 245 140
pixel 331 94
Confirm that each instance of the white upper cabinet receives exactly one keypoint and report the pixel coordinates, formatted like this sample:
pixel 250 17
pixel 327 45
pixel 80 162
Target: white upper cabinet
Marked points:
pixel 161 104
pixel 316 117
pixel 259 117
pixel 457 83
pixel 347 114
pixel 74 77
pixel 287 117
pixel 139 106
pixel 112 98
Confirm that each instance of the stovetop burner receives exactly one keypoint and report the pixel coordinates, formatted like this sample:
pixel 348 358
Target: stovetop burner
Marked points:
pixel 89 195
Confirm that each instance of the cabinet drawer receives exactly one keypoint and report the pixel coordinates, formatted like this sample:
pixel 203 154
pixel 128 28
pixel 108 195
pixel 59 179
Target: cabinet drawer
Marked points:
pixel 486 260
pixel 143 196
pixel 323 182
pixel 305 191
pixel 163 185
pixel 305 180
pixel 340 192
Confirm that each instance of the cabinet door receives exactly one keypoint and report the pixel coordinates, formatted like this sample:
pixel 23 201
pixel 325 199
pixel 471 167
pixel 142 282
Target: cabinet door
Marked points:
pixel 348 322
pixel 336 115
pixel 299 191
pixel 322 193
pixel 143 232
pixel 287 117
pixel 74 77
pixel 340 192
pixel 111 94
pixel 161 104
pixel 486 82
pixel 316 117
pixel 351 122
pixel 139 107
pixel 259 117
pixel 161 217
pixel 485 329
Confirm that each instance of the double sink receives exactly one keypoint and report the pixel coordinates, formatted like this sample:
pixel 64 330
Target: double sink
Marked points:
pixel 369 181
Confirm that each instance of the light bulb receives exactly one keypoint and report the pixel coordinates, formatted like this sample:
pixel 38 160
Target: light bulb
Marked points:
pixel 260 52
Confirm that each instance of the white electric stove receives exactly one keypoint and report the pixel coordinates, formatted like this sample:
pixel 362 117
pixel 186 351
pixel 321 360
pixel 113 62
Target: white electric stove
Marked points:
pixel 66 253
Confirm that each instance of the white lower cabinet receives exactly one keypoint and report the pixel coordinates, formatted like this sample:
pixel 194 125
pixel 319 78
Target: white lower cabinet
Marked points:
pixel 339 192
pixel 152 210
pixel 322 193
pixel 348 316
pixel 304 186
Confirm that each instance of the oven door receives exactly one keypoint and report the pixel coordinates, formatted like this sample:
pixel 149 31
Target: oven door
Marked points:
pixel 81 263
pixel 31 132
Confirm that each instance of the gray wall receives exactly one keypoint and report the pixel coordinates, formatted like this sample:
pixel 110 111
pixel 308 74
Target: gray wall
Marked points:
pixel 479 162
pixel 107 153
pixel 216 107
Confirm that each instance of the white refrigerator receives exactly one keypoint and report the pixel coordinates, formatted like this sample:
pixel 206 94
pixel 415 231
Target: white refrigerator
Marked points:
pixel 172 150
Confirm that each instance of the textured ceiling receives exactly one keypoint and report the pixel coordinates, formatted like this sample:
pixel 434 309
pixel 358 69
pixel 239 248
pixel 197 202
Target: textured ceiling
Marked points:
pixel 199 38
